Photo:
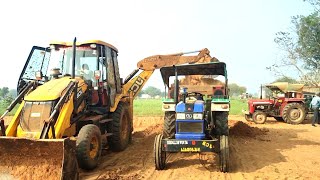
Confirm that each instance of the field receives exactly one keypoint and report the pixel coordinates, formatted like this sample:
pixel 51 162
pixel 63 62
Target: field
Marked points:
pixel 152 107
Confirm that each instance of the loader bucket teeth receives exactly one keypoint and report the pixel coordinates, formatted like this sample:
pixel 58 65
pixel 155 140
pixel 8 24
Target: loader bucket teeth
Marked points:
pixel 37 159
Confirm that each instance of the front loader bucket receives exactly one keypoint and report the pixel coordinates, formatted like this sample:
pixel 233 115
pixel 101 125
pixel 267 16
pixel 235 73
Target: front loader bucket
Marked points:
pixel 22 158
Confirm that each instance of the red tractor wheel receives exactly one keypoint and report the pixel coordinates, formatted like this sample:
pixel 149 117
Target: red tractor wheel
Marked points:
pixel 259 117
pixel 294 113
pixel 248 117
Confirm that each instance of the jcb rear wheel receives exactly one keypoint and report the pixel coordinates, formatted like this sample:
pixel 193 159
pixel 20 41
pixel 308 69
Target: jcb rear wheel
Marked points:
pixel 120 127
pixel 89 146
pixel 169 125
pixel 224 154
pixel 159 155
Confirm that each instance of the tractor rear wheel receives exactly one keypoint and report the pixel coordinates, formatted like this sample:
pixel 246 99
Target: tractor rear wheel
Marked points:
pixel 159 155
pixel 259 117
pixel 169 126
pixel 224 153
pixel 221 123
pixel 294 113
pixel 120 128
pixel 88 146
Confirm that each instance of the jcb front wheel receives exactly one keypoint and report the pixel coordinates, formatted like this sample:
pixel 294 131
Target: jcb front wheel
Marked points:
pixel 88 146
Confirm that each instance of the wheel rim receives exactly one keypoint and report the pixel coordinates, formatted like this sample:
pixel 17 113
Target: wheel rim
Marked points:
pixel 94 147
pixel 295 114
pixel 124 127
pixel 260 118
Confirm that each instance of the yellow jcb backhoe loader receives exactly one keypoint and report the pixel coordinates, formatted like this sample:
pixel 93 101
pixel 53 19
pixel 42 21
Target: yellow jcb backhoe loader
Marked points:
pixel 72 103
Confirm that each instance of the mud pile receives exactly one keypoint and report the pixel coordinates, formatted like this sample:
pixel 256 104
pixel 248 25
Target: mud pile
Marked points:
pixel 244 130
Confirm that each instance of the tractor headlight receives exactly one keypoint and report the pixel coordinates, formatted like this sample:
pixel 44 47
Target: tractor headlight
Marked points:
pixel 181 116
pixel 198 116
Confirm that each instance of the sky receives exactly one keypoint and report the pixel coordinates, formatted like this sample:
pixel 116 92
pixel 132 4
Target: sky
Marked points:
pixel 238 32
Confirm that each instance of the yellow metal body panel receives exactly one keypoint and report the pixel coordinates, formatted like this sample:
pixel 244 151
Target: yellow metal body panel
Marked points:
pixel 12 128
pixel 84 43
pixel 49 91
pixel 132 88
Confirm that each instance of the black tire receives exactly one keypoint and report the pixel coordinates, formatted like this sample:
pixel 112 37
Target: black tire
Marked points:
pixel 169 125
pixel 221 123
pixel 224 154
pixel 120 128
pixel 259 117
pixel 248 117
pixel 294 113
pixel 159 155
pixel 278 118
pixel 88 147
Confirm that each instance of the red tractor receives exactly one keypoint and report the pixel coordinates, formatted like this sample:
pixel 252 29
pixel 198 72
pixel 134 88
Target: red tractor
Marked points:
pixel 287 104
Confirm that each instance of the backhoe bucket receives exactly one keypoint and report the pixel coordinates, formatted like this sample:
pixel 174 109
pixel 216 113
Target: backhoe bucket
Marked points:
pixel 22 158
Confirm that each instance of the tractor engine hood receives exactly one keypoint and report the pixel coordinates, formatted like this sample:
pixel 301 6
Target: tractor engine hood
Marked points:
pixel 49 91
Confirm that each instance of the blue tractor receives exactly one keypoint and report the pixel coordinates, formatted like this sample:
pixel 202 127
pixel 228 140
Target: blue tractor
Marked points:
pixel 196 117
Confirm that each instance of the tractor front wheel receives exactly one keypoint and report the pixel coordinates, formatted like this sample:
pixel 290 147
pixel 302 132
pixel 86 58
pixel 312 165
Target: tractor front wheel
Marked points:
pixel 224 154
pixel 293 113
pixel 248 117
pixel 159 155
pixel 221 123
pixel 259 117
pixel 169 125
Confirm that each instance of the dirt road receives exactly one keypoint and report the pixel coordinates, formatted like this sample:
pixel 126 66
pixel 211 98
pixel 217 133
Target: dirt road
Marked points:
pixel 275 150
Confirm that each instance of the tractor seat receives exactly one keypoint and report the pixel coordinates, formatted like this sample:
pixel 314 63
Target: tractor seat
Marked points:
pixel 191 100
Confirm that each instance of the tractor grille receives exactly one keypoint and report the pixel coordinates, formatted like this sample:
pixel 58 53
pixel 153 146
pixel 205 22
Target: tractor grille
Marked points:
pixel 193 127
pixel 33 115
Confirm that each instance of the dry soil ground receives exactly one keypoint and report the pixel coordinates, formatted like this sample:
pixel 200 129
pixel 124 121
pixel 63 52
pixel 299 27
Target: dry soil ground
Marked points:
pixel 274 150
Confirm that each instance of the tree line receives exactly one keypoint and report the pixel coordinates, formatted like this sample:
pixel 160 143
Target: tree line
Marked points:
pixel 234 90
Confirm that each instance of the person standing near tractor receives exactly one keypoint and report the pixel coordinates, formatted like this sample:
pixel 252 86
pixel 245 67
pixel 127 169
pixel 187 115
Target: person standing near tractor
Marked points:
pixel 315 104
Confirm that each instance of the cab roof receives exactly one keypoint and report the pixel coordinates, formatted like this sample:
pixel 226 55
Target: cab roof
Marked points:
pixel 83 43
pixel 212 68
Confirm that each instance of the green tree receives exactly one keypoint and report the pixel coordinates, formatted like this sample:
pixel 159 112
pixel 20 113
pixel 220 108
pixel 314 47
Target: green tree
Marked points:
pixel 236 90
pixel 302 48
pixel 152 91
pixel 286 79
pixel 4 92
